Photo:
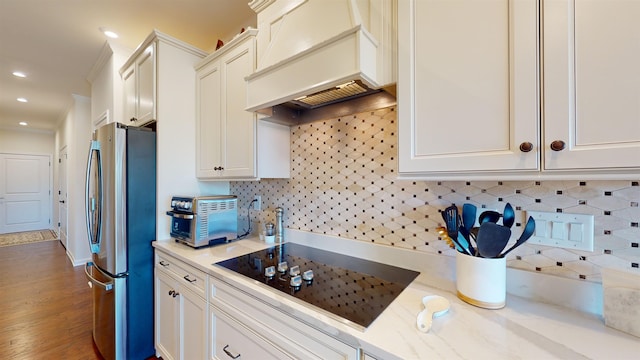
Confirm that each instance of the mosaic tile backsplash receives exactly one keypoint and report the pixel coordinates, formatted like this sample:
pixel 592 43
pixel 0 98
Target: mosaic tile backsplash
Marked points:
pixel 343 183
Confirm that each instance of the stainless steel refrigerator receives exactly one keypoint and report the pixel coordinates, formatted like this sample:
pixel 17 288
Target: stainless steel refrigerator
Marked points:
pixel 121 224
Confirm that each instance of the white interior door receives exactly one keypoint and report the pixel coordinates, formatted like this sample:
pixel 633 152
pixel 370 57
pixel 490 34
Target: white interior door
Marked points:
pixel 25 193
pixel 62 197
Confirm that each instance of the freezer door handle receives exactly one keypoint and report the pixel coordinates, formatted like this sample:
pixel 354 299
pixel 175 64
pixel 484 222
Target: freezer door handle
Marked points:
pixel 108 286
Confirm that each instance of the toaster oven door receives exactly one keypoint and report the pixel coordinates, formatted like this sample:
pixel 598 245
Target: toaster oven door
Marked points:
pixel 182 225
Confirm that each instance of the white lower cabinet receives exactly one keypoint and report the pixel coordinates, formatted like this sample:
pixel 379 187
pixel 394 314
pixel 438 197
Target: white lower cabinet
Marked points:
pixel 181 310
pixel 167 318
pixel 232 340
pixel 243 327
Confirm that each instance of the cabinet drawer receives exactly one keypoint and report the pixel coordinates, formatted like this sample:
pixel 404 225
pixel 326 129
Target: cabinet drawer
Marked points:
pixel 188 276
pixel 300 340
pixel 232 340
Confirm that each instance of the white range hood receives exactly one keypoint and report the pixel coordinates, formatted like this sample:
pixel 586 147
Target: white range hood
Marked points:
pixel 340 48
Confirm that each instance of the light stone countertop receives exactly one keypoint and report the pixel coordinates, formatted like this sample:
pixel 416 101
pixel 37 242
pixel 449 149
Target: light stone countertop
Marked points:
pixel 524 329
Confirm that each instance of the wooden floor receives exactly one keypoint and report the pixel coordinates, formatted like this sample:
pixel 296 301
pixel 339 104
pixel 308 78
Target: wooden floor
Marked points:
pixel 45 304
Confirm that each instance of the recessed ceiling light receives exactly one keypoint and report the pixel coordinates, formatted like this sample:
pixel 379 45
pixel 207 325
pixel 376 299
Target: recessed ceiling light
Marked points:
pixel 19 74
pixel 22 99
pixel 23 123
pixel 108 33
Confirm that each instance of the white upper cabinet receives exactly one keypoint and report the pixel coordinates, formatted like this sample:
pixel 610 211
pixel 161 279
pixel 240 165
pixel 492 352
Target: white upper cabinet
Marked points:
pixel 591 73
pixel 153 73
pixel 470 79
pixel 227 134
pixel 139 88
pixel 467 85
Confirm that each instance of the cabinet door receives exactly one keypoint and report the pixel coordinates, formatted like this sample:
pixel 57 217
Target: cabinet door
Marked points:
pixel 130 96
pixel 167 317
pixel 146 86
pixel 193 324
pixel 467 85
pixel 209 121
pixel 591 76
pixel 238 125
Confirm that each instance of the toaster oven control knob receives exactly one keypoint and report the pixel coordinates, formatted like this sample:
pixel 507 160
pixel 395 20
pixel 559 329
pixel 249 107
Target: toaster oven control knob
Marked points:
pixel 270 272
pixel 307 276
pixel 282 267
pixel 187 205
pixel 294 270
pixel 296 282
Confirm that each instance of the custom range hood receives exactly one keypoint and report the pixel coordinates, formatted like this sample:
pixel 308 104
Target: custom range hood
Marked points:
pixel 313 53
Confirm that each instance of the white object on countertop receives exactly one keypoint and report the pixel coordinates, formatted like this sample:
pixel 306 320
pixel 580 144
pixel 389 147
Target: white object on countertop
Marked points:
pixel 481 281
pixel 621 300
pixel 434 306
pixel 270 239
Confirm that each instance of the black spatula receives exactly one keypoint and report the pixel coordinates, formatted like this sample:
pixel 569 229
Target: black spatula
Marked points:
pixel 492 239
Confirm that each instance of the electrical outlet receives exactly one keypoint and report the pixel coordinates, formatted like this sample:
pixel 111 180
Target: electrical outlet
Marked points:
pixel 570 231
pixel 257 205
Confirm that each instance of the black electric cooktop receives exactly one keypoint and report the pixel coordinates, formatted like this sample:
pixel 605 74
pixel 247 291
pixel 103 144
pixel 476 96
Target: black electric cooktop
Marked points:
pixel 354 289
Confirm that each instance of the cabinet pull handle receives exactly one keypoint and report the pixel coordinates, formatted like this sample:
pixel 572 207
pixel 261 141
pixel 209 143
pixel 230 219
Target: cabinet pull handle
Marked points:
pixel 558 145
pixel 171 292
pixel 218 168
pixel 526 147
pixel 229 353
pixel 164 263
pixel 186 277
pixel 133 119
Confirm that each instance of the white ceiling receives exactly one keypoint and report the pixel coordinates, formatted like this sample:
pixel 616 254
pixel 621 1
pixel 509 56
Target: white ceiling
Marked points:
pixel 57 42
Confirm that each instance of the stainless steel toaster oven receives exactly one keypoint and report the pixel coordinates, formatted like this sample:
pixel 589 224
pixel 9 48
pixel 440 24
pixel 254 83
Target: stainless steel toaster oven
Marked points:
pixel 204 220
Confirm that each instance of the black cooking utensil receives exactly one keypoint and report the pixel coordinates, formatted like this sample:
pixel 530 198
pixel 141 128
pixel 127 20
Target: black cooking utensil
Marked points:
pixel 468 216
pixel 468 220
pixel 492 238
pixel 452 220
pixel 508 216
pixel 490 216
pixel 529 229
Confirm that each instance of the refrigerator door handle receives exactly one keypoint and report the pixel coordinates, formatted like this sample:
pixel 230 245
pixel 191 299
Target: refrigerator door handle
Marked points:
pixel 93 210
pixel 106 286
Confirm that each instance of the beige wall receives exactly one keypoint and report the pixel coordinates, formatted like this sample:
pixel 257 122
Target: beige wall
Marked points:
pixel 27 142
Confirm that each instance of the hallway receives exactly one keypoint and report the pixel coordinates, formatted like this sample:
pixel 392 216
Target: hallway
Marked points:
pixel 45 305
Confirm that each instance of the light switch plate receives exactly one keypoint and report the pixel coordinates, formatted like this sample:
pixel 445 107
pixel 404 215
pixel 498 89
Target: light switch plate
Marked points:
pixel 570 231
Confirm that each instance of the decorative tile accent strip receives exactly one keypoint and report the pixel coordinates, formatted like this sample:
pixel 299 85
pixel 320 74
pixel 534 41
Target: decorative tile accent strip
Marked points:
pixel 344 183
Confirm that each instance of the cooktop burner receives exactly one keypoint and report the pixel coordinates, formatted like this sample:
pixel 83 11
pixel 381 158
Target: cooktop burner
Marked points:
pixel 354 289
